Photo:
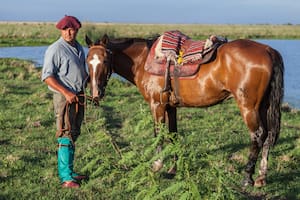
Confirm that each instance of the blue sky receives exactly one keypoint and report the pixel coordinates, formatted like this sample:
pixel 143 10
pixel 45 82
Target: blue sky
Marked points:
pixel 155 11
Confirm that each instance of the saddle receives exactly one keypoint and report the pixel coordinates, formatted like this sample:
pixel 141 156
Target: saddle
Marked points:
pixel 186 55
pixel 175 55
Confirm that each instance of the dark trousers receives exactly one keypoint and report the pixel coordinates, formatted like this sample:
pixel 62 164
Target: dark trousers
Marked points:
pixel 69 117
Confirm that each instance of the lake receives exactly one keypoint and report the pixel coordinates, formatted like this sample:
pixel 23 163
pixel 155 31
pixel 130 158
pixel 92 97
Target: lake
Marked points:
pixel 289 49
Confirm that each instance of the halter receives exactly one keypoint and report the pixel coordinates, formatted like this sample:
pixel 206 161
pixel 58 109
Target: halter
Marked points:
pixel 108 63
pixel 110 66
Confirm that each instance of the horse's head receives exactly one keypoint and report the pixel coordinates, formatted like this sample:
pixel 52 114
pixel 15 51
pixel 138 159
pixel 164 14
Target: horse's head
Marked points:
pixel 99 60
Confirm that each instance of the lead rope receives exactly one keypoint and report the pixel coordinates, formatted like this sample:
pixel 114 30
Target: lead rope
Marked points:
pixel 66 118
pixel 87 97
pixel 68 127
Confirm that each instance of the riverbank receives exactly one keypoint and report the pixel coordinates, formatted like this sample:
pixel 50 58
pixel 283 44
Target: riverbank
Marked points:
pixel 44 33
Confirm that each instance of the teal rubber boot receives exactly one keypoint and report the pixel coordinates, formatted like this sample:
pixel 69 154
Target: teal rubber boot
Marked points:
pixel 65 156
pixel 72 153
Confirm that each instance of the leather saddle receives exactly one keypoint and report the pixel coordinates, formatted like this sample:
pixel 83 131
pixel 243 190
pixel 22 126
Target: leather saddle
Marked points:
pixel 189 62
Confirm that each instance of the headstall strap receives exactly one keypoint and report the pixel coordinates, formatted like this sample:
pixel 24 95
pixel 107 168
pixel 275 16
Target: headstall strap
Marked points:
pixel 109 65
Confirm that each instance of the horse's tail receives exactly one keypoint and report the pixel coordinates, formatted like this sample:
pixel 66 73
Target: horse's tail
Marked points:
pixel 276 90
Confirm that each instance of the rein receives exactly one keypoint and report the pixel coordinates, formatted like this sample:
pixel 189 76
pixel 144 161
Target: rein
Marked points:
pixel 66 113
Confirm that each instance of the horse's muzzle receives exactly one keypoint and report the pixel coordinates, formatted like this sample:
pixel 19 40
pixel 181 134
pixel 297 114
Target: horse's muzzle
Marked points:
pixel 95 101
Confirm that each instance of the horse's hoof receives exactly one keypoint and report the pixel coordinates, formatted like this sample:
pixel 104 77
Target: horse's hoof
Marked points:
pixel 172 171
pixel 260 182
pixel 157 165
pixel 166 175
pixel 247 182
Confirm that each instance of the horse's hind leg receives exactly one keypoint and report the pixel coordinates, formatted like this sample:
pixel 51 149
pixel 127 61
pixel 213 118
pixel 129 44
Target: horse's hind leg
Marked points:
pixel 257 135
pixel 261 179
pixel 252 159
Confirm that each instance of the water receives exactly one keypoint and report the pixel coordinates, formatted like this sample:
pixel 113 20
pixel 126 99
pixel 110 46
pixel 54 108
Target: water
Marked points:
pixel 289 49
pixel 35 54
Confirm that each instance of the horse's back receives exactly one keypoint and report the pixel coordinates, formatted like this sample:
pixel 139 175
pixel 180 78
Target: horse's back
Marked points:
pixel 246 48
pixel 244 55
pixel 245 43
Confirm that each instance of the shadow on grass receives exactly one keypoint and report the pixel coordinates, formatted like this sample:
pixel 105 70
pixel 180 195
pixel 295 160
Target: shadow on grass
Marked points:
pixel 283 182
pixel 5 142
pixel 286 183
pixel 114 125
pixel 18 90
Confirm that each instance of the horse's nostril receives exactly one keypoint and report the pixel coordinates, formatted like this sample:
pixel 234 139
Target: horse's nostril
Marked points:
pixel 96 103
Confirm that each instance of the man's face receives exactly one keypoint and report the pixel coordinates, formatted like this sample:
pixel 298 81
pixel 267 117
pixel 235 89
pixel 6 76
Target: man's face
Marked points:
pixel 69 34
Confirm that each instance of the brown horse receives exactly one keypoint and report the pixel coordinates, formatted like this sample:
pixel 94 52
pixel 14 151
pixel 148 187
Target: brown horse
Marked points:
pixel 250 72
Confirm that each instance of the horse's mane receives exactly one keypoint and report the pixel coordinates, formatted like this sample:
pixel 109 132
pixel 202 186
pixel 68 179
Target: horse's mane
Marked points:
pixel 123 43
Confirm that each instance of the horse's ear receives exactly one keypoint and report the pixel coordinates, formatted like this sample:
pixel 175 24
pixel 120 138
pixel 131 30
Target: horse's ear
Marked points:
pixel 88 41
pixel 105 39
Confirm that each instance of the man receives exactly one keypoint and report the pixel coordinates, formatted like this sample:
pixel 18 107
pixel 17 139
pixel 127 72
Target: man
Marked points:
pixel 65 73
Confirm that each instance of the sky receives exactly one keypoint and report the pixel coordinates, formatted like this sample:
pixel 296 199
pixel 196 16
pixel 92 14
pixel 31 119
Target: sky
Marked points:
pixel 155 11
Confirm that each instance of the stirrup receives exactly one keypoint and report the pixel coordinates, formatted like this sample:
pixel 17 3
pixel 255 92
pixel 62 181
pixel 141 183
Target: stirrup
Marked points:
pixel 167 86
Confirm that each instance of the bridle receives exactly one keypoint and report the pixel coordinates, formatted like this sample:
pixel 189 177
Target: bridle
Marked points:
pixel 109 63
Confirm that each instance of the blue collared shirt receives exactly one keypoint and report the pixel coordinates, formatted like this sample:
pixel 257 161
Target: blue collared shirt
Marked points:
pixel 67 64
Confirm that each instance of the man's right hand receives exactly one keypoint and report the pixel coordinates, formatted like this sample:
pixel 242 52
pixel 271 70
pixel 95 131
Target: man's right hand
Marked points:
pixel 53 83
pixel 70 97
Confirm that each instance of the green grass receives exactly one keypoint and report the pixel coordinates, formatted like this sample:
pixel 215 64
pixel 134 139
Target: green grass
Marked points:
pixel 31 34
pixel 116 147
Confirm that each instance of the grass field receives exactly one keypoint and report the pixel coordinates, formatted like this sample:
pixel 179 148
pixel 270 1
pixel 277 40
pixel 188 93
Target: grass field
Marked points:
pixel 116 147
pixel 29 33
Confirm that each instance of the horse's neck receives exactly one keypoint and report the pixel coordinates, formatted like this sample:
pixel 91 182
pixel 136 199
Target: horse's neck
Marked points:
pixel 130 61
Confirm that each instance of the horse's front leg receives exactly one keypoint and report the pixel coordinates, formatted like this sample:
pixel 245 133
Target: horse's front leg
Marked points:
pixel 172 118
pixel 165 114
pixel 172 125
pixel 158 111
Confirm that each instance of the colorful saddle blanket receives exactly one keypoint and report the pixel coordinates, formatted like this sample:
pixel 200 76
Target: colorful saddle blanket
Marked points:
pixel 190 54
pixel 173 41
pixel 176 41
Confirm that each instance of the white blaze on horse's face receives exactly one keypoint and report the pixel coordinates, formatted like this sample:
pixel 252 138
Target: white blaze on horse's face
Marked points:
pixel 94 62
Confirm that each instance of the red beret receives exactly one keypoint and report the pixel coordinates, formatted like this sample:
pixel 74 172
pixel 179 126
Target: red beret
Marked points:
pixel 68 22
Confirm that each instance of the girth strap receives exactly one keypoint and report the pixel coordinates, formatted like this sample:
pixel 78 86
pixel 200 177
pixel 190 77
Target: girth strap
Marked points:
pixel 167 86
pixel 177 97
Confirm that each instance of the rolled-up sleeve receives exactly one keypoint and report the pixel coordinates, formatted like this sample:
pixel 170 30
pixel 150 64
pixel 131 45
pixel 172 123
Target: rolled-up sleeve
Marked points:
pixel 50 64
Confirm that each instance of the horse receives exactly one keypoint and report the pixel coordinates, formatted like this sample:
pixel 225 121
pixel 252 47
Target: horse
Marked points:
pixel 248 71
